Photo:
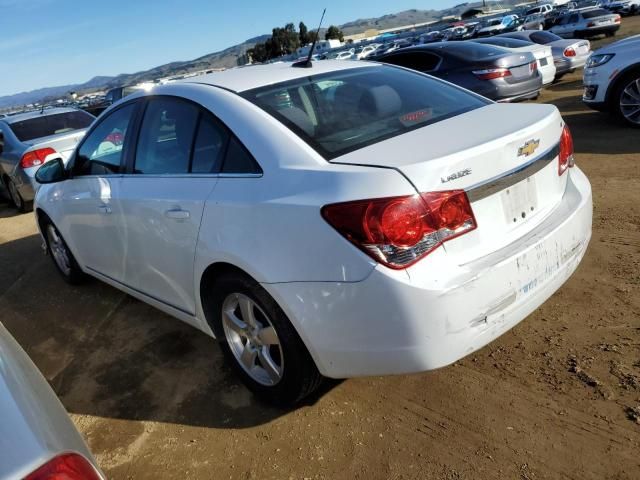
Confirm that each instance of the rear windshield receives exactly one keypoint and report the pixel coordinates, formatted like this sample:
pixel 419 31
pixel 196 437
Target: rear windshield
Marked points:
pixel 343 111
pixel 46 125
pixel 505 42
pixel 595 13
pixel 544 38
pixel 468 51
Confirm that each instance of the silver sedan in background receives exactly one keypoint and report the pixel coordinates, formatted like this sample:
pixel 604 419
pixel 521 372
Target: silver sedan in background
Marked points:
pixel 568 55
pixel 27 140
pixel 38 441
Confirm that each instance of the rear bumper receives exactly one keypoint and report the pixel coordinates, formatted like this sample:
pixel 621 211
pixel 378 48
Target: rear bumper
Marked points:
pixel 395 322
pixel 592 32
pixel 501 91
pixel 570 64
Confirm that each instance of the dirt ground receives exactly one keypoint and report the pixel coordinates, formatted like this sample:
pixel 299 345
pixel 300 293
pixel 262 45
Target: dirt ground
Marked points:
pixel 557 397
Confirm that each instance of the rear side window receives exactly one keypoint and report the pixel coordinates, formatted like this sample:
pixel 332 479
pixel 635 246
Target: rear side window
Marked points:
pixel 166 137
pixel 209 148
pixel 238 159
pixel 342 111
pixel 47 125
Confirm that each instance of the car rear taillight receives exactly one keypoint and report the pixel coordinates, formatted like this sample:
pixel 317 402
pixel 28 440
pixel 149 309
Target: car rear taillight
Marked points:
pixel 591 25
pixel 492 73
pixel 68 466
pixel 565 158
pixel 533 66
pixel 35 158
pixel 618 19
pixel 569 52
pixel 399 231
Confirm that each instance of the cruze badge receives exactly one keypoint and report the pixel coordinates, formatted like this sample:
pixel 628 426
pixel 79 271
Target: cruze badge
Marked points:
pixel 455 176
pixel 528 148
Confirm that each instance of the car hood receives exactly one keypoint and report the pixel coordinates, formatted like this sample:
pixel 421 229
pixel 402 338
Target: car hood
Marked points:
pixel 629 43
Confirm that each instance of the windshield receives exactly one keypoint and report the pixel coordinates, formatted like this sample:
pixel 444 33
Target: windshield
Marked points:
pixel 343 111
pixel 47 125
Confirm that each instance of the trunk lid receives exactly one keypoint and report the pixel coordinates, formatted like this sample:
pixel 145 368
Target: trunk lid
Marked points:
pixel 64 143
pixel 504 156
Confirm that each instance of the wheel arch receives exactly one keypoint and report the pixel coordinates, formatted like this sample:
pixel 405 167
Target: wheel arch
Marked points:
pixel 613 85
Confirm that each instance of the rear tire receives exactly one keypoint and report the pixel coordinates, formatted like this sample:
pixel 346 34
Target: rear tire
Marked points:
pixel 610 34
pixel 626 92
pixel 259 341
pixel 16 199
pixel 60 254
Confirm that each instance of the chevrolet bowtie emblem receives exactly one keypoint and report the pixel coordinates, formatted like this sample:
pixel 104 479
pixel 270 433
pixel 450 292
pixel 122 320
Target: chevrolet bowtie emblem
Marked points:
pixel 528 148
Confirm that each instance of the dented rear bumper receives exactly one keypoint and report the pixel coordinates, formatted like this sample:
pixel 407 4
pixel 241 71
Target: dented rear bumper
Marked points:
pixel 398 322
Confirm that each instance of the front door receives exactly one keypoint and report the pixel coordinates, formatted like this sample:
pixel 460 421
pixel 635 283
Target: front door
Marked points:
pixel 93 220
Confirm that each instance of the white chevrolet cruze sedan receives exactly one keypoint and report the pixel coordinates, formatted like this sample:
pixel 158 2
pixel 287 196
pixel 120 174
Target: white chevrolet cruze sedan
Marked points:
pixel 341 220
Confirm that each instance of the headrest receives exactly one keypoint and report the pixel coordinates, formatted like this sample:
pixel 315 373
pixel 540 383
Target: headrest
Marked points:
pixel 382 101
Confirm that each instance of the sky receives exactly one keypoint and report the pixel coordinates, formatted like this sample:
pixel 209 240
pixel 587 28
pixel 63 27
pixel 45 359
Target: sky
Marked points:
pixel 58 42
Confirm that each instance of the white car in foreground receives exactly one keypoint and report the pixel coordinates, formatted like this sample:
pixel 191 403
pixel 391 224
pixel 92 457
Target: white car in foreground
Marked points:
pixel 612 80
pixel 342 220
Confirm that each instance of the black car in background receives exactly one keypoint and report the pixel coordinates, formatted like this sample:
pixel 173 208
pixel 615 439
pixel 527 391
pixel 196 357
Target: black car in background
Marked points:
pixel 490 71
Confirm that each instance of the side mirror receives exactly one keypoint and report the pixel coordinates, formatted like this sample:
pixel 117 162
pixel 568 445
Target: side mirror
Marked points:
pixel 51 172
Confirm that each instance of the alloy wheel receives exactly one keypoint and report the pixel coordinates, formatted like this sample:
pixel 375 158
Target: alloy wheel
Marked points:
pixel 58 250
pixel 252 339
pixel 630 102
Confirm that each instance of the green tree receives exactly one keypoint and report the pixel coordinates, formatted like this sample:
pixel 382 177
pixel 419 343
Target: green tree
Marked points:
pixel 334 33
pixel 303 34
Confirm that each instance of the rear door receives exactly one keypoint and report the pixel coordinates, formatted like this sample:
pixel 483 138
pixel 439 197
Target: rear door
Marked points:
pixel 177 159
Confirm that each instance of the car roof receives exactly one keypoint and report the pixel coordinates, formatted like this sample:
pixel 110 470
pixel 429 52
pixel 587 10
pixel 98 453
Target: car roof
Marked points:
pixel 19 117
pixel 255 76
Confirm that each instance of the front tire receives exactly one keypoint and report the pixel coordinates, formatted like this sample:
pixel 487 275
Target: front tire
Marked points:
pixel 625 101
pixel 259 341
pixel 60 254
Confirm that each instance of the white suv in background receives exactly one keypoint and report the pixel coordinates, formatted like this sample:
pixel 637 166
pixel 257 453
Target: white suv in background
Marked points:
pixel 612 80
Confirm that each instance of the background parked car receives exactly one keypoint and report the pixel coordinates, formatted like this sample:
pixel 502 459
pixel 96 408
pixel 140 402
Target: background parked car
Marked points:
pixel 568 55
pixel 485 69
pixel 110 98
pixel 38 441
pixel 612 80
pixel 543 53
pixel 543 9
pixel 625 7
pixel 534 21
pixel 30 139
pixel 587 23
pixel 499 25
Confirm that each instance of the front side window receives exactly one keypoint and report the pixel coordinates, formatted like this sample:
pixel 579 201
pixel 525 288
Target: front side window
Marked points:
pixel 346 110
pixel 101 151
pixel 166 137
pixel 47 125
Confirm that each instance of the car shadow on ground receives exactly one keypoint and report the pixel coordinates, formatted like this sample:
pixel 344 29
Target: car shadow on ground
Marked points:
pixel 109 355
pixel 564 86
pixel 602 133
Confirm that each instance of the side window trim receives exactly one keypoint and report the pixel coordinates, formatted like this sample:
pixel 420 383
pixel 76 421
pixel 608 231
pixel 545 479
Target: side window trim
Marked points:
pixel 127 139
pixel 129 153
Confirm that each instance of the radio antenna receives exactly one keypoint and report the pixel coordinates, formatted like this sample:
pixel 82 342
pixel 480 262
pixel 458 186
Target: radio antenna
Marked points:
pixel 307 63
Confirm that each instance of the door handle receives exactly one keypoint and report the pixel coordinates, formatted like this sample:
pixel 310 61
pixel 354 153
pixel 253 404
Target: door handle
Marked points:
pixel 177 214
pixel 106 209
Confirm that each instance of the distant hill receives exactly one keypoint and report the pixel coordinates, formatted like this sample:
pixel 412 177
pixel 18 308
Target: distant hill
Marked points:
pixel 227 57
